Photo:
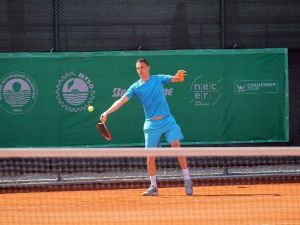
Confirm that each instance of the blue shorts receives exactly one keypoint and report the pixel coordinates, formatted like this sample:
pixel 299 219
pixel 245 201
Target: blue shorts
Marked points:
pixel 167 127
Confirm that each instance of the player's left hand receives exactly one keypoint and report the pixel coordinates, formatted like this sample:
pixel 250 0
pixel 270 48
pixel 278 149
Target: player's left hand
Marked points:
pixel 179 76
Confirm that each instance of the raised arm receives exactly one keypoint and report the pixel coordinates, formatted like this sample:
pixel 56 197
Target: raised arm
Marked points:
pixel 179 76
pixel 114 107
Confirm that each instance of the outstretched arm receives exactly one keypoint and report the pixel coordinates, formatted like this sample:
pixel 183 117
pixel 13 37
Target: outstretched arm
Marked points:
pixel 114 107
pixel 179 76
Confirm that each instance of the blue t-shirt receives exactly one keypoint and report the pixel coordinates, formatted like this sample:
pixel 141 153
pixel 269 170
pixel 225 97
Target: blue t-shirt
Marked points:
pixel 151 95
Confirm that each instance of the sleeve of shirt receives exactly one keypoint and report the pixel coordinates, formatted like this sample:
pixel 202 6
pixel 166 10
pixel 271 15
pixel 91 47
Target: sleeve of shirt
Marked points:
pixel 130 91
pixel 165 79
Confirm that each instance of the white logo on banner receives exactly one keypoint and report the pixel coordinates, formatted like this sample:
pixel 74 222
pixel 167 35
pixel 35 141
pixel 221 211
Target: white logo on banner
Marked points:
pixel 75 92
pixel 256 86
pixel 205 92
pixel 119 92
pixel 18 93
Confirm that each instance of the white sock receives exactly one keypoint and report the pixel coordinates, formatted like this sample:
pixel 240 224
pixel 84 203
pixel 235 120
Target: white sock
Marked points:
pixel 186 174
pixel 153 181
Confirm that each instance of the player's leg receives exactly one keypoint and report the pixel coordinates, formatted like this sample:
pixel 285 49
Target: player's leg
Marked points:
pixel 174 135
pixel 181 159
pixel 152 190
pixel 151 166
pixel 152 140
pixel 184 168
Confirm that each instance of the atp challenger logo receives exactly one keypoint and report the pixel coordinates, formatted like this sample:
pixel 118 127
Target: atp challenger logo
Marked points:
pixel 256 86
pixel 75 92
pixel 205 92
pixel 18 93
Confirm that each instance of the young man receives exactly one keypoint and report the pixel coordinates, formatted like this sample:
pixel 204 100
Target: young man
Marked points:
pixel 159 121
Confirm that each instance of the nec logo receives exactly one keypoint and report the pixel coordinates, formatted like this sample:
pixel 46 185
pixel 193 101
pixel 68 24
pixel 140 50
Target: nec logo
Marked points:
pixel 119 92
pixel 205 91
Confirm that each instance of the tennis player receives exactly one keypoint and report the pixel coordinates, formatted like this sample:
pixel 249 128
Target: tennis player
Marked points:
pixel 159 121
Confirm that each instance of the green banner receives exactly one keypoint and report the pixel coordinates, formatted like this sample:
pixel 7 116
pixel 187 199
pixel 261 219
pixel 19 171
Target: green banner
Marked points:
pixel 229 96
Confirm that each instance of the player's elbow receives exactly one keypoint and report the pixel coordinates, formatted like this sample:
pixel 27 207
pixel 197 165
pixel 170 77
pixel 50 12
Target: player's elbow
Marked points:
pixel 123 99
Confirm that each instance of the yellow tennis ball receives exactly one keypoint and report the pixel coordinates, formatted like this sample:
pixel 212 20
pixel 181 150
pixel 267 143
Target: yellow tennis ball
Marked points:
pixel 91 108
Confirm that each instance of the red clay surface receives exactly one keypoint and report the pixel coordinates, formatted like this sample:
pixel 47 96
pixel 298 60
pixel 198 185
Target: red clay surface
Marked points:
pixel 232 205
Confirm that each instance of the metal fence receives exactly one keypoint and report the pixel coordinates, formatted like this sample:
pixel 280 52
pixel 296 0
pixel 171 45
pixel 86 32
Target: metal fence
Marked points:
pixel 90 25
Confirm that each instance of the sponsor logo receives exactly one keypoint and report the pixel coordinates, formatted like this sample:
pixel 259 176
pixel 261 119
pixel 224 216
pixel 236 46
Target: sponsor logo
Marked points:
pixel 256 86
pixel 205 92
pixel 119 92
pixel 18 93
pixel 168 91
pixel 75 92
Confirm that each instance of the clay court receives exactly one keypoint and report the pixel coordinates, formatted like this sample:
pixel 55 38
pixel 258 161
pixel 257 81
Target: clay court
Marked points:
pixel 247 204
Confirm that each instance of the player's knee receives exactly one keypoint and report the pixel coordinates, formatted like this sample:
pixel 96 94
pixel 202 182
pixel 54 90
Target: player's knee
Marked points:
pixel 175 144
pixel 151 160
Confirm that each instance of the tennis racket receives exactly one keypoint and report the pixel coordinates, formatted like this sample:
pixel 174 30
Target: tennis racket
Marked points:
pixel 103 130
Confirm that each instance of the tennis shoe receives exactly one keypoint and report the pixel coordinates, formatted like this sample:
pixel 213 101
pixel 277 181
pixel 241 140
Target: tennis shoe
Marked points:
pixel 188 187
pixel 151 191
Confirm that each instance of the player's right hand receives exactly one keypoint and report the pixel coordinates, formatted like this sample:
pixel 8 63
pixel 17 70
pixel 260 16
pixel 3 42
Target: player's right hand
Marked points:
pixel 103 117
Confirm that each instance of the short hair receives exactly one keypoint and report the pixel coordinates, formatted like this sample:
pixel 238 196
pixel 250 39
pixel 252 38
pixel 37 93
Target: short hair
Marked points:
pixel 142 60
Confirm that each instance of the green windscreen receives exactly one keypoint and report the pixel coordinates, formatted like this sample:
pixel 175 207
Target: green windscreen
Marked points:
pixel 228 96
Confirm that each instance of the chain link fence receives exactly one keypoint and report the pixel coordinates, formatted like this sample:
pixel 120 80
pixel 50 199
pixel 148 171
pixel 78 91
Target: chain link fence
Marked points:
pixel 90 25
pixel 262 23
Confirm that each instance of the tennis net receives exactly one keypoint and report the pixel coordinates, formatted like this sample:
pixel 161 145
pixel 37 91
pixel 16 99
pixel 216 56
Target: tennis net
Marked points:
pixel 232 185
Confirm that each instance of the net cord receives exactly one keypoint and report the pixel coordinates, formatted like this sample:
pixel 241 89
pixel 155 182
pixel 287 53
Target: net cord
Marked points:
pixel 142 152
